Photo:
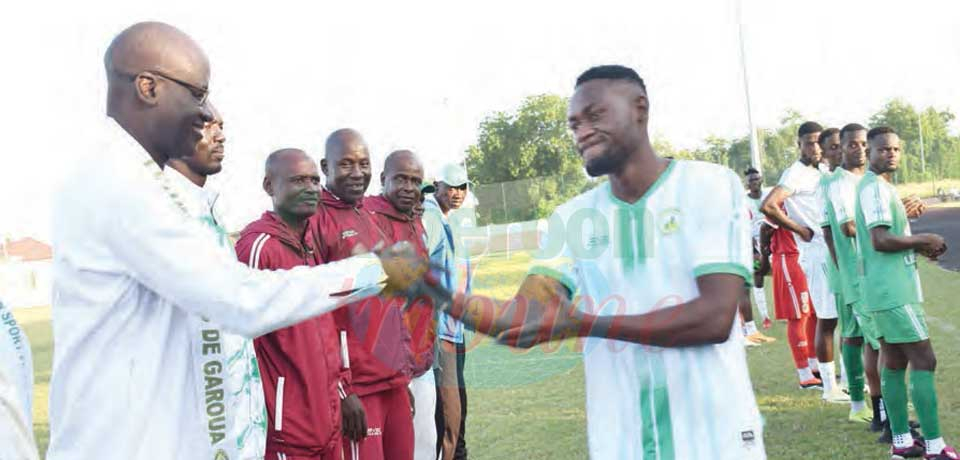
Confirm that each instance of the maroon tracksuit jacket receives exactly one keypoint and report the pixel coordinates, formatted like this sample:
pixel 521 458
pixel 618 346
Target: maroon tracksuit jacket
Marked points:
pixel 300 365
pixel 419 318
pixel 378 341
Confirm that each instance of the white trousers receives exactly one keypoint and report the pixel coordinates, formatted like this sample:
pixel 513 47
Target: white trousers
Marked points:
pixel 424 391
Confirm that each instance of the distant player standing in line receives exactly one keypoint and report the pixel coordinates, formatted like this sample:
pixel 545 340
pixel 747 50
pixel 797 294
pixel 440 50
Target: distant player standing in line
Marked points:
pixel 830 161
pixel 799 192
pixel 842 198
pixel 894 298
pixel 658 277
pixel 791 207
pixel 840 235
pixel 760 267
pixel 856 323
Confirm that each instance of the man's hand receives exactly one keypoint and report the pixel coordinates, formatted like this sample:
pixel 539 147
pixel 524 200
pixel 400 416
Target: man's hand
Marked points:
pixel 541 313
pixel 354 418
pixel 933 245
pixel 555 323
pixel 403 266
pixel 914 206
pixel 806 234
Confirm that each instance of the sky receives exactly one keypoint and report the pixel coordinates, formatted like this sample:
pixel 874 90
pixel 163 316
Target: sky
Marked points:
pixel 423 75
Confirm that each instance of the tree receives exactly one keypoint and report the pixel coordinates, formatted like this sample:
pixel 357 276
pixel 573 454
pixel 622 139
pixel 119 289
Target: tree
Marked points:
pixel 940 149
pixel 525 163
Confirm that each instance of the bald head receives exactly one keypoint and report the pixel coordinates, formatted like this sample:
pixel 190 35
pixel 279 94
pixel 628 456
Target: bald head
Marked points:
pixel 401 178
pixel 401 159
pixel 346 165
pixel 343 139
pixel 292 181
pixel 278 161
pixel 157 80
pixel 155 46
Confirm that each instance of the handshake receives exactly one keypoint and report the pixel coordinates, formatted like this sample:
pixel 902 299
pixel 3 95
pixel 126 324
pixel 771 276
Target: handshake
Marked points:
pixel 409 274
pixel 540 312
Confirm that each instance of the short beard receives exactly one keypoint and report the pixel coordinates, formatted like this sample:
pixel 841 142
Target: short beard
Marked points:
pixel 882 169
pixel 611 161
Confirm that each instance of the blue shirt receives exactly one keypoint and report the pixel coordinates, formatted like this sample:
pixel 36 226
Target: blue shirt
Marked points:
pixel 440 244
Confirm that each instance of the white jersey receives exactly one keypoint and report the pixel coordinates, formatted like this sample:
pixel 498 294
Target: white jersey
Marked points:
pixel 805 204
pixel 619 258
pixel 16 391
pixel 756 217
pixel 131 268
pixel 241 430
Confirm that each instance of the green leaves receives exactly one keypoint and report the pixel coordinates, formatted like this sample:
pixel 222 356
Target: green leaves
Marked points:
pixel 525 162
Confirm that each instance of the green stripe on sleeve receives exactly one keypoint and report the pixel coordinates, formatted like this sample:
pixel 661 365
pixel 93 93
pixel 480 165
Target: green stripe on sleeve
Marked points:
pixel 724 267
pixel 880 223
pixel 563 278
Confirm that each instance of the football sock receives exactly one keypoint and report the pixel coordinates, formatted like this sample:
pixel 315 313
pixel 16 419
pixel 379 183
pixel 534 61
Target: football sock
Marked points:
pixel 894 387
pixel 811 326
pixel 935 446
pixel 853 362
pixel 798 343
pixel 760 298
pixel 924 394
pixel 827 375
pixel 902 441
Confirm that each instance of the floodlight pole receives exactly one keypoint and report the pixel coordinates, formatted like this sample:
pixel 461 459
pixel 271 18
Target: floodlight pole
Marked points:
pixel 754 142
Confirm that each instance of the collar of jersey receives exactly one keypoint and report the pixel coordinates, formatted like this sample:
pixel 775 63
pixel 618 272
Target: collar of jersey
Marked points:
pixel 650 191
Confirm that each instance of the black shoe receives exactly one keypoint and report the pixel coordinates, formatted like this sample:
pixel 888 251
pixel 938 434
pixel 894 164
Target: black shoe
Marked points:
pixel 917 450
pixel 886 437
pixel 876 425
pixel 817 375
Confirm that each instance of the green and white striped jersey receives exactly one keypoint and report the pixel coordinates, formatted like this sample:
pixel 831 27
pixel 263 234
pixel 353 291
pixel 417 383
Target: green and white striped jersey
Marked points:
pixel 892 277
pixel 646 402
pixel 841 201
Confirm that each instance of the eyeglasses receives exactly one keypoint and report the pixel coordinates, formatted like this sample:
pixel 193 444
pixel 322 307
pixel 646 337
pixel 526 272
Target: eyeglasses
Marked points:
pixel 197 92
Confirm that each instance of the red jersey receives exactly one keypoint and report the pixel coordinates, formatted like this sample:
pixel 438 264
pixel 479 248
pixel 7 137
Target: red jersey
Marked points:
pixel 303 376
pixel 783 241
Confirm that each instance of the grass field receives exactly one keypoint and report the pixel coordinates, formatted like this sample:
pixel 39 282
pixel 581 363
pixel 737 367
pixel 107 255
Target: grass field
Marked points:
pixel 530 404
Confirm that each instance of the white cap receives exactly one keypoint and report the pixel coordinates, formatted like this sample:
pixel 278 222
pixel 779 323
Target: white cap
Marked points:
pixel 453 175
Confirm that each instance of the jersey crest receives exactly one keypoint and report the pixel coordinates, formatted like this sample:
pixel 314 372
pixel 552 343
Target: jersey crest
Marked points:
pixel 670 221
